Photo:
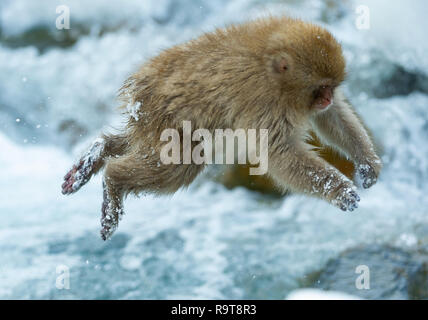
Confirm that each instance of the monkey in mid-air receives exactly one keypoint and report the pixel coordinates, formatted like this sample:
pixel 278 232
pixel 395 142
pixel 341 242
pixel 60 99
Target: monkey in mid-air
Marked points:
pixel 280 74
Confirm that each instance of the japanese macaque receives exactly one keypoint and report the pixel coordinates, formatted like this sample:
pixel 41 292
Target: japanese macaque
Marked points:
pixel 279 74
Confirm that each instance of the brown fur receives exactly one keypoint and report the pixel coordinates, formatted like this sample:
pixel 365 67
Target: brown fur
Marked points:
pixel 262 75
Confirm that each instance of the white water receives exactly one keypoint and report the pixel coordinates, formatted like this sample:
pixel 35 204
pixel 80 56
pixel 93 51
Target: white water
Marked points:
pixel 204 242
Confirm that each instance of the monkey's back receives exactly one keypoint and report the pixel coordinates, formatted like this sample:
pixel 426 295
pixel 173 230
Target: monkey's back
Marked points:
pixel 215 81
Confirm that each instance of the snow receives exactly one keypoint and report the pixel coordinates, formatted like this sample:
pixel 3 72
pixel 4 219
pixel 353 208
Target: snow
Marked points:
pixel 134 109
pixel 206 241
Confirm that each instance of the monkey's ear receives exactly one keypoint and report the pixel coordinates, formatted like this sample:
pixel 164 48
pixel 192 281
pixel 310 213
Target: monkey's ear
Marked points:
pixel 281 63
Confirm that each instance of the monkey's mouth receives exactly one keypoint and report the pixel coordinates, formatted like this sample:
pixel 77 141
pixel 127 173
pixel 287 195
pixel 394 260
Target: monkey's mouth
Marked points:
pixel 323 103
pixel 323 97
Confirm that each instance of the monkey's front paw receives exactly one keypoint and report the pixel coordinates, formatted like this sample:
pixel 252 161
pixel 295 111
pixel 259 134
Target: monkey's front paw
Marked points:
pixel 347 199
pixel 368 173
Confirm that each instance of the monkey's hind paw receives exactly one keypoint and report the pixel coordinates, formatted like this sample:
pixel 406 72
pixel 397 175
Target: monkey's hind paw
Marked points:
pixel 81 172
pixel 367 175
pixel 111 213
pixel 108 226
pixel 109 219
pixel 347 200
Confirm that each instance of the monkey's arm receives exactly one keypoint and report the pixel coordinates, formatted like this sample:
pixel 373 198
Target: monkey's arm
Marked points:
pixel 340 127
pixel 298 168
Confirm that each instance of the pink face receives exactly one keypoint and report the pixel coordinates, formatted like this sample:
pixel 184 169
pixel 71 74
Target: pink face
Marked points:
pixel 323 97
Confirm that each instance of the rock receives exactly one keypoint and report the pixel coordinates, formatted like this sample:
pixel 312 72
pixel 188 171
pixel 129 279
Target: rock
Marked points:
pixel 394 273
pixel 333 10
pixel 238 176
pixel 383 78
pixel 72 130
pixel 45 38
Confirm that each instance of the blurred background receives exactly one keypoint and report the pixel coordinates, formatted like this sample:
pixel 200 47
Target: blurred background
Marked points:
pixel 224 237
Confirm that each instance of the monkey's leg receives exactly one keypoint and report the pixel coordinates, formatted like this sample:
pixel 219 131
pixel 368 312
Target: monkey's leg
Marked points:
pixel 111 209
pixel 92 161
pixel 301 170
pixel 138 172
pixel 340 127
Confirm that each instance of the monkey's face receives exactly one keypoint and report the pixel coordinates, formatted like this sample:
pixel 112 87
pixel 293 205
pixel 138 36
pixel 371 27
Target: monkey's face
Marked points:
pixel 309 65
pixel 304 87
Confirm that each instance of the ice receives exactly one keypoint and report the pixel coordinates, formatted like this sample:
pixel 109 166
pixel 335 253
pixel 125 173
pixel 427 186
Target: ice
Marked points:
pixel 206 241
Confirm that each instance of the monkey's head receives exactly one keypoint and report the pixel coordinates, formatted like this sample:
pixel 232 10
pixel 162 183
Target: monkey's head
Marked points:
pixel 307 63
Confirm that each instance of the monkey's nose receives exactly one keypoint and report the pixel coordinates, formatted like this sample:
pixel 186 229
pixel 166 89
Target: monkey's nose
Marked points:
pixel 327 92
